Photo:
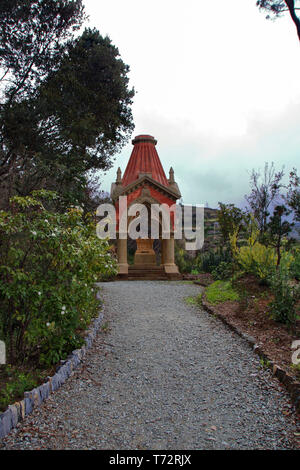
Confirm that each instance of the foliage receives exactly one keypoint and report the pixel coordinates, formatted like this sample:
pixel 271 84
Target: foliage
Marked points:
pixel 69 97
pixel 183 260
pixel 191 300
pixel 257 259
pixel 208 261
pixel 295 265
pixel 220 291
pixel 222 271
pixel 194 272
pixel 283 307
pixel 49 263
pixel 18 383
pixel 278 229
pixel 230 219
pixel 264 191
pixel 254 258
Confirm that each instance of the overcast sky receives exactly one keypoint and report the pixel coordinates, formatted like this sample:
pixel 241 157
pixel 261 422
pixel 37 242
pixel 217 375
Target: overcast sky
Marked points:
pixel 217 85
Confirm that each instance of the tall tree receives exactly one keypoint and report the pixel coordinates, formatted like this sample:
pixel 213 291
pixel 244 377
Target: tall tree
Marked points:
pixel 32 37
pixel 276 8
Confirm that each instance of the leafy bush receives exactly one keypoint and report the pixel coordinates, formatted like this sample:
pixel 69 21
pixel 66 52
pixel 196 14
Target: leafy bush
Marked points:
pixel 220 291
pixel 283 307
pixel 257 259
pixel 295 265
pixel 183 260
pixel 49 263
pixel 208 261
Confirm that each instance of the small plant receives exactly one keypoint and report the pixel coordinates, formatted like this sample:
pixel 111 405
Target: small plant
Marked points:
pixel 254 257
pixel 105 327
pixel 282 308
pixel 208 261
pixel 264 363
pixel 183 260
pixel 243 299
pixel 194 300
pixel 191 300
pixel 222 272
pixel 49 263
pixel 17 383
pixel 295 266
pixel 221 291
pixel 195 272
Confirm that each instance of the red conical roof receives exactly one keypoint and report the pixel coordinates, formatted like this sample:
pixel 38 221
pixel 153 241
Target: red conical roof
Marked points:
pixel 144 159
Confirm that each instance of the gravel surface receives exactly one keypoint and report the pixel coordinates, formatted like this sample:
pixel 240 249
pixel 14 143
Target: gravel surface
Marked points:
pixel 162 374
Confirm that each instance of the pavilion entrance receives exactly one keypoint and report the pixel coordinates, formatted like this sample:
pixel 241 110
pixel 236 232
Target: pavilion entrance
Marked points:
pixel 145 182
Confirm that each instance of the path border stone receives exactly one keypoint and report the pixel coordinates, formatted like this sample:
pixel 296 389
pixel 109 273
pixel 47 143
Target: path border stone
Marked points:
pixel 292 385
pixel 17 412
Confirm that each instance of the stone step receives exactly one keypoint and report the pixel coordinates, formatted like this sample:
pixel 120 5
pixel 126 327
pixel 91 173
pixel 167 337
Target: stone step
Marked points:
pixel 147 278
pixel 148 272
pixel 145 267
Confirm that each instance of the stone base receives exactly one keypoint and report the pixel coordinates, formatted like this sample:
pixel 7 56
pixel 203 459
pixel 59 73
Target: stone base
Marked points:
pixel 123 269
pixel 171 269
pixel 172 272
pixel 144 258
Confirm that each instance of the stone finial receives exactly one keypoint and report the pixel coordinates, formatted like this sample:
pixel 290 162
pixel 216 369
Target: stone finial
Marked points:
pixel 119 176
pixel 171 176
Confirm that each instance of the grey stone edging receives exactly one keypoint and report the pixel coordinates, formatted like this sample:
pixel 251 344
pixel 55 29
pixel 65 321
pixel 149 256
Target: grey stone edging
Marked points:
pixel 17 412
pixel 292 385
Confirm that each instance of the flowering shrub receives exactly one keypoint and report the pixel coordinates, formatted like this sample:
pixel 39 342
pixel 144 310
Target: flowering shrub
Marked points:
pixel 49 263
pixel 253 258
pixel 257 259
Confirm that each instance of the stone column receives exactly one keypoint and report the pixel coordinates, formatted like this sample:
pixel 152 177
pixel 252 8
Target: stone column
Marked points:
pixel 122 255
pixel 169 257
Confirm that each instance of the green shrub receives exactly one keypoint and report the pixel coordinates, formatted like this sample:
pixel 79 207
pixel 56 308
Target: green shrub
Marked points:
pixel 220 291
pixel 208 261
pixel 257 259
pixel 49 263
pixel 194 272
pixel 17 384
pixel 283 307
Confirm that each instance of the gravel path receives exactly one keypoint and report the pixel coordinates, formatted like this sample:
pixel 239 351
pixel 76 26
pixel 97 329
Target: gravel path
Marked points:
pixel 162 374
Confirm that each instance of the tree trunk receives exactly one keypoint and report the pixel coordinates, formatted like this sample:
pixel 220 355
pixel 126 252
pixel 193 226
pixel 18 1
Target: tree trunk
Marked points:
pixel 291 6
